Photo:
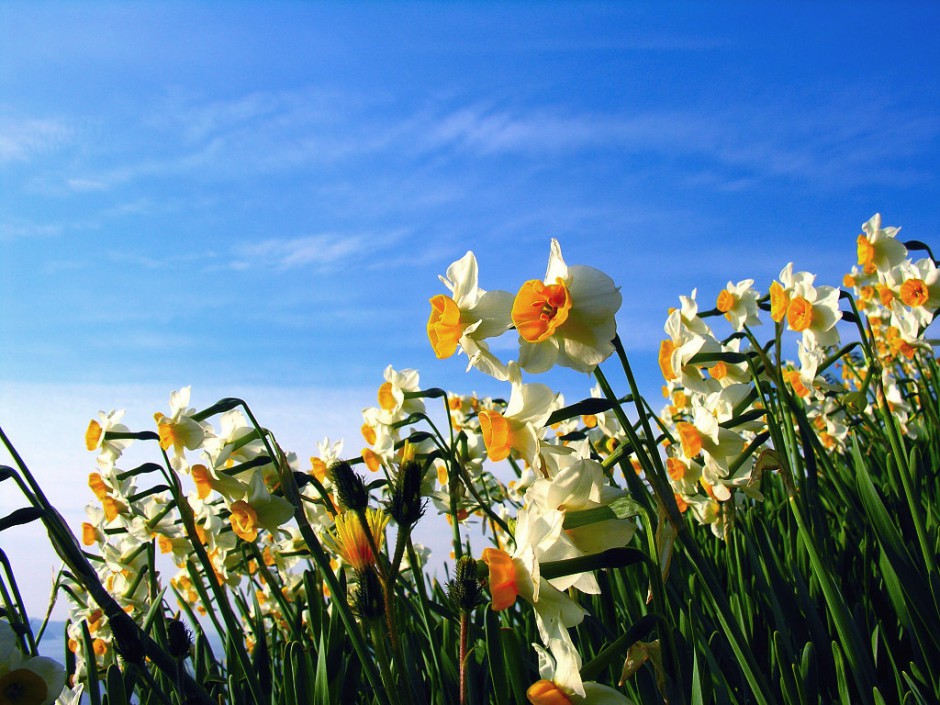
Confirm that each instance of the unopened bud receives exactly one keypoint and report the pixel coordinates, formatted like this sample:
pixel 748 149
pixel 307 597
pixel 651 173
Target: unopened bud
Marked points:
pixel 464 591
pixel 369 600
pixel 350 487
pixel 405 504
pixel 179 638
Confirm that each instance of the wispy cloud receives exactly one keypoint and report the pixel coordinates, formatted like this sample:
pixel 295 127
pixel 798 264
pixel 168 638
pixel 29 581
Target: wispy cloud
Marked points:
pixel 321 251
pixel 23 138
pixel 835 143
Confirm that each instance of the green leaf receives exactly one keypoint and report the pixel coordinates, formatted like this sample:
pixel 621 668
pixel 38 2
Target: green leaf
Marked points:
pixel 611 558
pixel 115 680
pixel 219 407
pixel 621 508
pixel 618 648
pixel 20 516
pixel 732 358
pixel 495 658
pixel 91 687
pixel 585 407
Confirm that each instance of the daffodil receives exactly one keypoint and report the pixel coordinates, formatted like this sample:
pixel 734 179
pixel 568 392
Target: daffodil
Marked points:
pixel 36 680
pixel 260 510
pixel 918 288
pixel 519 428
pixel 579 485
pixel 878 248
pixel 814 312
pixel 517 575
pixel 466 318
pixel 96 437
pixel 738 302
pixel 560 682
pixel 567 318
pixel 391 395
pixel 676 353
pixel 179 430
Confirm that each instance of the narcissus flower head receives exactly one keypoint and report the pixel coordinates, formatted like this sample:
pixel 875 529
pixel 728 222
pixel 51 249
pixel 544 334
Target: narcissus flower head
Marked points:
pixel 567 318
pixel 467 317
pixel 27 681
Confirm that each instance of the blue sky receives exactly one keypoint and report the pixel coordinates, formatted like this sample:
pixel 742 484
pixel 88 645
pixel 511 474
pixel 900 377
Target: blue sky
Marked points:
pixel 258 198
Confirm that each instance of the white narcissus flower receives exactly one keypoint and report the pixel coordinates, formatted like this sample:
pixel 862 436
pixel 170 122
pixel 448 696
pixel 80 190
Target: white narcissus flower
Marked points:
pixel 109 449
pixel 469 316
pixel 518 575
pixel 739 304
pixel 580 485
pixel 919 289
pixel 561 684
pixel 566 319
pixel 260 509
pixel 878 248
pixel 178 429
pixel 677 351
pixel 814 311
pixel 521 426
pixel 394 407
pixel 36 680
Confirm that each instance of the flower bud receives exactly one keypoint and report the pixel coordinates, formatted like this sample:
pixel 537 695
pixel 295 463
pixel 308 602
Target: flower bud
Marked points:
pixel 350 487
pixel 464 590
pixel 369 600
pixel 179 638
pixel 405 504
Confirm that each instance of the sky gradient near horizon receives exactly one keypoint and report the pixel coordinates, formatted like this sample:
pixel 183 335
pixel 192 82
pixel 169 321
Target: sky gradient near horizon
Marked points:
pixel 257 198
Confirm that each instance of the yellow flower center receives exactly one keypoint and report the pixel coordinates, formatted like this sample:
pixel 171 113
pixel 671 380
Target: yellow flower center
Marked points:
pixel 89 535
pixel 368 433
pixel 93 435
pixel 502 578
pixel 885 294
pixel 112 507
pixel 495 430
pixel 371 459
pixel 22 687
pixel 444 327
pixel 779 301
pixel 725 301
pixel 690 439
pixel 914 292
pixel 98 486
pixel 540 309
pixel 800 314
pixel 545 692
pixel 793 377
pixel 676 469
pixel 386 398
pixel 244 520
pixel 166 429
pixel 203 480
pixel 719 370
pixel 666 348
pixel 866 254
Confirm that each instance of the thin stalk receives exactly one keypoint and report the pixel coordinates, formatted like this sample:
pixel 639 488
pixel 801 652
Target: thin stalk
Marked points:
pixel 464 633
pixel 292 494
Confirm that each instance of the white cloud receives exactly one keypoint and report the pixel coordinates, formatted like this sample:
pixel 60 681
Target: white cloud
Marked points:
pixel 322 250
pixel 23 138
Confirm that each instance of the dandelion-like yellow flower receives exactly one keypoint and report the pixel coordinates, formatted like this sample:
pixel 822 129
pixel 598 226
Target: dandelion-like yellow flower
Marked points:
pixel 350 541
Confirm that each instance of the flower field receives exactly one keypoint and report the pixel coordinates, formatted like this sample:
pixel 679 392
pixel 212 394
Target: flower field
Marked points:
pixel 768 534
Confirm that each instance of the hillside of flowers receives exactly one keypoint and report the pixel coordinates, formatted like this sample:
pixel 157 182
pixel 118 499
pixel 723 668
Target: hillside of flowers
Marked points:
pixel 766 533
